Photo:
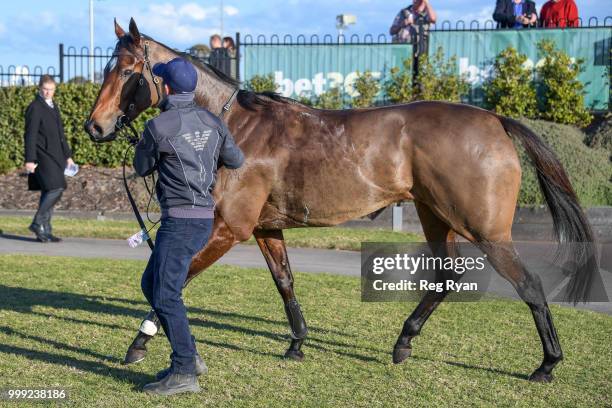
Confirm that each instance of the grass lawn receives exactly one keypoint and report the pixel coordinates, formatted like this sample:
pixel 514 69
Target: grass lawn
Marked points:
pixel 325 238
pixel 66 322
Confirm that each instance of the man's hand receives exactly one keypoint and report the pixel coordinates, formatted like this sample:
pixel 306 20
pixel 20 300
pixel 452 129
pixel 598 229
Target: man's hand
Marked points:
pixel 30 167
pixel 69 162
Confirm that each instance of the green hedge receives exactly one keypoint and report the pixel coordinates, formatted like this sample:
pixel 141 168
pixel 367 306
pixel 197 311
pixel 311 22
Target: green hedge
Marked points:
pixel 75 102
pixel 589 168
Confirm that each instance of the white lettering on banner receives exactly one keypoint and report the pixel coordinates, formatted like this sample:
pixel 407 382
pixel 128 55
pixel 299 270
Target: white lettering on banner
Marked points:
pixel 320 83
pixel 475 75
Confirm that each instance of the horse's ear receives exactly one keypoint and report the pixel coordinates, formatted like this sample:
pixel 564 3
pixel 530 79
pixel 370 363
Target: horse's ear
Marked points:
pixel 134 31
pixel 118 30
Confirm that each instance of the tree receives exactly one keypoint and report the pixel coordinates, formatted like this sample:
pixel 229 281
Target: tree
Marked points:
pixel 368 87
pixel 199 50
pixel 330 99
pixel 438 80
pixel 562 92
pixel 511 90
pixel 261 83
pixel 398 87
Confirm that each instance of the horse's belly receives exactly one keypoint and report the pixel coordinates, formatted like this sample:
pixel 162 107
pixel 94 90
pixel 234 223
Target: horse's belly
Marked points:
pixel 325 205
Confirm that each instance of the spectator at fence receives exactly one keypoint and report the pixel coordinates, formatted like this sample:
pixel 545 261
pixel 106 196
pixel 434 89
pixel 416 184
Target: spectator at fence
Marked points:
pixel 559 13
pixel 230 46
pixel 219 56
pixel 46 155
pixel 413 22
pixel 515 14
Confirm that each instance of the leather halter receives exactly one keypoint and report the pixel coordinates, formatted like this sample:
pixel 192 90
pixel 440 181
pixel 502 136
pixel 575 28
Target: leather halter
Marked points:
pixel 124 120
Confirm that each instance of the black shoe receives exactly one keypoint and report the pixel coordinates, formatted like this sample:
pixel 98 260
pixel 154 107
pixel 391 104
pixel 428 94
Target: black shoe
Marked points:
pixel 200 365
pixel 49 233
pixel 39 231
pixel 53 238
pixel 174 384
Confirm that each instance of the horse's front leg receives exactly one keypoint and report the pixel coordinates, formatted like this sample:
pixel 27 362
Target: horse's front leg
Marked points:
pixel 272 245
pixel 220 241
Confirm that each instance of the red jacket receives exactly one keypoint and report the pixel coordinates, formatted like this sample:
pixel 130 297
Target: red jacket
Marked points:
pixel 562 13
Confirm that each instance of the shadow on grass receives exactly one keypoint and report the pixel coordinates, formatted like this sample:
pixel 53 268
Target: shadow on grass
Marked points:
pixel 17 237
pixel 137 379
pixel 471 367
pixel 56 344
pixel 23 300
pixel 491 370
pixel 281 338
pixel 94 367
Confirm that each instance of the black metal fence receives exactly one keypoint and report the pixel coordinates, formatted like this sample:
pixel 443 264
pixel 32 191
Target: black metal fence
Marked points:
pixel 23 75
pixel 74 63
pixel 356 39
pixel 78 65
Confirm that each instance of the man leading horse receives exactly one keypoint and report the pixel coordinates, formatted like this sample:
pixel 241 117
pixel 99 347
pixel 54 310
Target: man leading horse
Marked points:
pixel 185 144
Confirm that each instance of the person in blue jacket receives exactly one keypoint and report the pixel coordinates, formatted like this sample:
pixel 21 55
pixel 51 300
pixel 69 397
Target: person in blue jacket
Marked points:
pixel 185 144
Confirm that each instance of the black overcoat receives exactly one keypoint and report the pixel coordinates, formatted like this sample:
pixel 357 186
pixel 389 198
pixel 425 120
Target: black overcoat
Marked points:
pixel 45 144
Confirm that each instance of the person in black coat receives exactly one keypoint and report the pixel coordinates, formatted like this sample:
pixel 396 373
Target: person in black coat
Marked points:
pixel 515 14
pixel 46 155
pixel 219 57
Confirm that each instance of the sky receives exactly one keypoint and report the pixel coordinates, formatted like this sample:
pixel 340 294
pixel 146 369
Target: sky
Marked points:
pixel 30 30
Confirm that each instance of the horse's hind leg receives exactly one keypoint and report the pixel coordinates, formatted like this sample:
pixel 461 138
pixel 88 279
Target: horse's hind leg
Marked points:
pixel 221 240
pixel 272 245
pixel 504 258
pixel 441 239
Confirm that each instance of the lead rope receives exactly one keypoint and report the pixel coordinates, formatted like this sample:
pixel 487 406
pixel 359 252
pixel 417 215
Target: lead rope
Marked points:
pixel 141 222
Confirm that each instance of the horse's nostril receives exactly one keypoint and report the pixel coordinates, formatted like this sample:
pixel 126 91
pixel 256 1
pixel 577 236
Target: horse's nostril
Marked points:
pixel 97 129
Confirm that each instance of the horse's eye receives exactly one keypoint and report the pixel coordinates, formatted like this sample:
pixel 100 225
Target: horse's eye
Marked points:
pixel 127 72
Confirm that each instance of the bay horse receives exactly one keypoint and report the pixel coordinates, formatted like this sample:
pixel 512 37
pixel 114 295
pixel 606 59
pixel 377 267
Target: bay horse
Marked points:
pixel 307 167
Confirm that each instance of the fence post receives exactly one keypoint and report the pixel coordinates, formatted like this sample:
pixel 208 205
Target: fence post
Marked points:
pixel 61 63
pixel 397 217
pixel 238 56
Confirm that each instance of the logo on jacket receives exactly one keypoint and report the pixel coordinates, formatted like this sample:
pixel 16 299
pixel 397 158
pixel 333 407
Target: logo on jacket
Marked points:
pixel 197 140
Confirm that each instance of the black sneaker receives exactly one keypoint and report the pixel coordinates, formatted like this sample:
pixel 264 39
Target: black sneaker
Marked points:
pixel 174 384
pixel 200 365
pixel 39 231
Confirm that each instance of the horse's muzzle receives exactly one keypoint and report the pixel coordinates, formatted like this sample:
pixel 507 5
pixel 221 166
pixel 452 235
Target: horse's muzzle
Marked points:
pixel 95 133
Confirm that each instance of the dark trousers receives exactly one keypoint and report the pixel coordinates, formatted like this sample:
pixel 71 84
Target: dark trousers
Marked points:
pixel 178 240
pixel 48 199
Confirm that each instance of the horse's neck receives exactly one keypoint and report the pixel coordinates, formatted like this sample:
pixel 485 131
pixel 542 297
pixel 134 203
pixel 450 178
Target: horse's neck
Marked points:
pixel 211 93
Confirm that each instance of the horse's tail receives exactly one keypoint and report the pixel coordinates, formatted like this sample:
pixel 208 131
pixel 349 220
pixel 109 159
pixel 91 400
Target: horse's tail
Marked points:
pixel 570 223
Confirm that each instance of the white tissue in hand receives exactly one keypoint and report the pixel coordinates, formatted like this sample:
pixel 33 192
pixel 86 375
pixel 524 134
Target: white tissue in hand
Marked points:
pixel 71 170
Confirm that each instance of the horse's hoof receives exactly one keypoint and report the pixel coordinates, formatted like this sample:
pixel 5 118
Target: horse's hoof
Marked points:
pixel 296 355
pixel 400 354
pixel 541 377
pixel 134 355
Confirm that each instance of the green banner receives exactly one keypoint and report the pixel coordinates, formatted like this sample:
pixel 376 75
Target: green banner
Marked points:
pixel 303 69
pixel 476 51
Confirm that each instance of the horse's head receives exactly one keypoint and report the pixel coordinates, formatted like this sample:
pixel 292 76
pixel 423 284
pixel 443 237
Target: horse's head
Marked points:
pixel 129 86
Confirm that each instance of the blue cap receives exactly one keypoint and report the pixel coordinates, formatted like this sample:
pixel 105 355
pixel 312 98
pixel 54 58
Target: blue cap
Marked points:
pixel 179 74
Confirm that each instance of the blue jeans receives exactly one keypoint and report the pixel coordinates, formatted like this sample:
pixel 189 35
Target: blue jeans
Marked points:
pixel 178 240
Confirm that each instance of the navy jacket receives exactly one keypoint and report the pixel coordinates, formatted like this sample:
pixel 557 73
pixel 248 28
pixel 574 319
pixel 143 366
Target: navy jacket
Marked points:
pixel 504 12
pixel 186 144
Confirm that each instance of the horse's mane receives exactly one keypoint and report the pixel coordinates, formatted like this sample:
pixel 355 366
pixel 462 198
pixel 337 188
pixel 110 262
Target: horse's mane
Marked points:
pixel 247 99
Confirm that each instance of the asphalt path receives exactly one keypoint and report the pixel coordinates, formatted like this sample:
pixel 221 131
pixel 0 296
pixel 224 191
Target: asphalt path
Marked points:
pixel 537 256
